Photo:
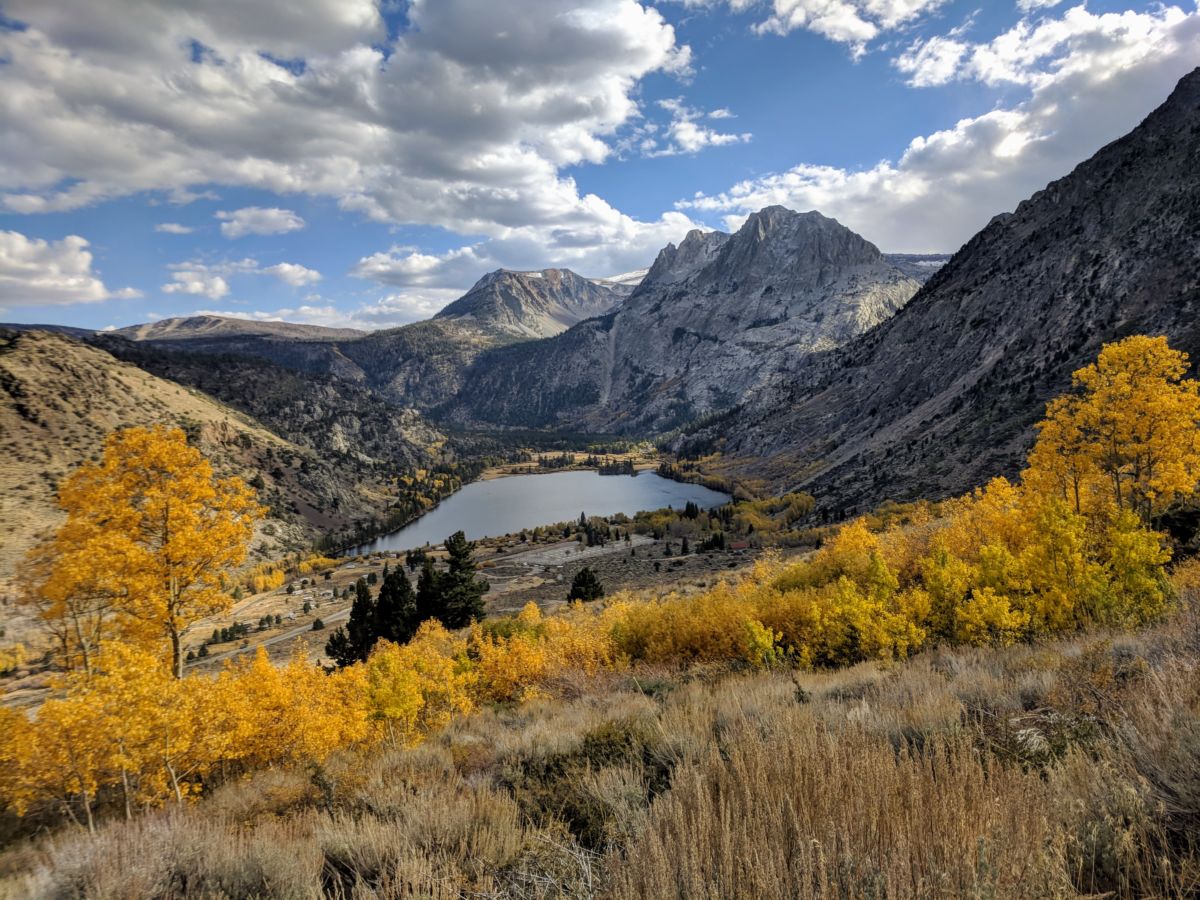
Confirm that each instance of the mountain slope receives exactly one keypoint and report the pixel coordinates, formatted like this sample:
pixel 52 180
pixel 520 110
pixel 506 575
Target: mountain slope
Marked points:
pixel 329 415
pixel 713 320
pixel 59 399
pixel 944 394
pixel 532 304
pixel 200 327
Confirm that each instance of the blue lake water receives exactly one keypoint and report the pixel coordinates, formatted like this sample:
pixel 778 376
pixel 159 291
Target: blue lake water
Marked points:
pixel 506 505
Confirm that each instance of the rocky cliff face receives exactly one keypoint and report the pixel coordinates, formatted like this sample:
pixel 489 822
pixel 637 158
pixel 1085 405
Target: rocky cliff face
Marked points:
pixel 944 394
pixel 532 304
pixel 715 319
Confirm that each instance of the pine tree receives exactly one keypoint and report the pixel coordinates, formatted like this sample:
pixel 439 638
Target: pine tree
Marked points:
pixel 461 591
pixel 396 609
pixel 586 586
pixel 429 592
pixel 354 642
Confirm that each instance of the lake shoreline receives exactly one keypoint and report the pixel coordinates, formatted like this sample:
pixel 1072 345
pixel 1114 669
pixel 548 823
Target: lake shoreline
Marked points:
pixel 502 509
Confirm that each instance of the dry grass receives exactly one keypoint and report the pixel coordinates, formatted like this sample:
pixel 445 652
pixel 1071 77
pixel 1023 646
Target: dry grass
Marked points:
pixel 1066 769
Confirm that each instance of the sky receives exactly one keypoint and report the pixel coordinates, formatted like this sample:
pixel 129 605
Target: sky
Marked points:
pixel 363 162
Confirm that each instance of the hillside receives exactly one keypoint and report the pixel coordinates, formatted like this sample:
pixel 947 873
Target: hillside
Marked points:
pixel 332 416
pixel 714 320
pixel 198 327
pixel 59 399
pixel 945 393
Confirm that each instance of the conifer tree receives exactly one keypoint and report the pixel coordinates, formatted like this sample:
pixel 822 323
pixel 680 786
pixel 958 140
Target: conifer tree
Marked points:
pixel 586 586
pixel 461 591
pixel 396 609
pixel 429 596
pixel 353 643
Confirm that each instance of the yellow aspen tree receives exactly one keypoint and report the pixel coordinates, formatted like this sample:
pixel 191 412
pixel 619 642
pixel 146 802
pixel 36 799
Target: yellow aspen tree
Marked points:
pixel 1061 463
pixel 73 586
pixel 415 688
pixel 1135 420
pixel 151 528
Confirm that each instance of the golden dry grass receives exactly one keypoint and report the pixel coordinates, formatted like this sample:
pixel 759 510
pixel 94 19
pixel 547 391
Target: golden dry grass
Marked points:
pixel 1062 769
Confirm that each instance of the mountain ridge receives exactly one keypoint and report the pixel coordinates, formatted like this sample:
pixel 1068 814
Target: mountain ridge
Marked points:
pixel 714 318
pixel 944 394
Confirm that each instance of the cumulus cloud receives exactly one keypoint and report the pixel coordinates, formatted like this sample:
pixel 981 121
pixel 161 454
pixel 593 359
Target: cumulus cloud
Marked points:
pixel 172 228
pixel 1045 51
pixel 1090 79
pixel 687 133
pixel 463 120
pixel 212 279
pixel 293 273
pixel 258 220
pixel 197 280
pixel 851 22
pixel 36 272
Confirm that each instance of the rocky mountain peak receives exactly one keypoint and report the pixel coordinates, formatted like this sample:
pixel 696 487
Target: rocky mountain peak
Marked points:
pixel 966 367
pixel 804 248
pixel 532 304
pixel 675 264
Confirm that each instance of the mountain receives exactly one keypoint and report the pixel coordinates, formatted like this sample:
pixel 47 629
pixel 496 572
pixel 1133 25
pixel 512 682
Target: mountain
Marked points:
pixel 59 399
pixel 333 416
pixel 714 319
pixel 532 304
pixel 944 394
pixel 191 328
pixel 419 365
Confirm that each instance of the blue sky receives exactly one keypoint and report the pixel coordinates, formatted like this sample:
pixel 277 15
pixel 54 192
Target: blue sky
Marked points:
pixel 346 162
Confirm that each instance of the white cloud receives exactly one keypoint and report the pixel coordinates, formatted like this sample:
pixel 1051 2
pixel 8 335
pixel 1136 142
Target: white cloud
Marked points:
pixel 402 308
pixel 197 280
pixel 212 279
pixel 852 22
pixel 258 220
pixel 464 120
pixel 1042 52
pixel 1028 6
pixel 172 228
pixel 1091 79
pixel 618 245
pixel 36 272
pixel 685 133
pixel 932 62
pixel 293 273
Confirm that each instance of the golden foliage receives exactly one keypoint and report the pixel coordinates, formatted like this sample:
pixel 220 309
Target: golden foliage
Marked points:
pixel 149 537
pixel 418 687
pixel 1128 436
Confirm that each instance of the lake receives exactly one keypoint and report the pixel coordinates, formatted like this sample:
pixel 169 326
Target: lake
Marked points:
pixel 507 505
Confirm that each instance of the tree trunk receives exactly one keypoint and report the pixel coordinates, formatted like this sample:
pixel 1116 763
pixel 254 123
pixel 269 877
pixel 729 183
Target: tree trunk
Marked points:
pixel 176 653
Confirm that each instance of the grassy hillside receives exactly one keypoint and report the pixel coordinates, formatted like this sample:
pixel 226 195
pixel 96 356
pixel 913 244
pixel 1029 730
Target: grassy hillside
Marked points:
pixel 1064 768
pixel 59 399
